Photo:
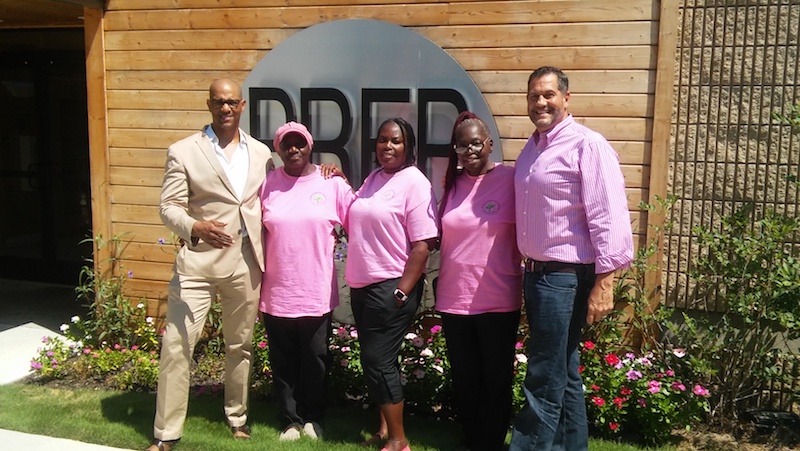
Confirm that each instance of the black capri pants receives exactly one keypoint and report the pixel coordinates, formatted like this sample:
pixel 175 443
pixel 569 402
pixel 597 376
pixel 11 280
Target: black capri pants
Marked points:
pixel 381 327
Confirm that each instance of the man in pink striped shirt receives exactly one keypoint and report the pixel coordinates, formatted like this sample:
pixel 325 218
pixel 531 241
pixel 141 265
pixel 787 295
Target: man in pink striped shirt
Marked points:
pixel 574 232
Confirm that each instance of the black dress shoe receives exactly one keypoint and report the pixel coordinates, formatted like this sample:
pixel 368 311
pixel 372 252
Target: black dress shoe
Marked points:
pixel 241 432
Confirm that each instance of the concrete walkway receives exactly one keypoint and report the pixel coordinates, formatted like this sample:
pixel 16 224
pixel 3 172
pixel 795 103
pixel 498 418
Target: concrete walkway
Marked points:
pixel 18 345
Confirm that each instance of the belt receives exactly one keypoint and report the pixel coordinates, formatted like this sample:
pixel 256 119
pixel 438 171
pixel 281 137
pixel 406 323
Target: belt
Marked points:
pixel 580 269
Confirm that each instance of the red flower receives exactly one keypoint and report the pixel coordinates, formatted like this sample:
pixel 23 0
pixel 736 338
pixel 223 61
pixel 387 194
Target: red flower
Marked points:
pixel 612 359
pixel 588 345
pixel 598 401
pixel 625 391
pixel 595 387
pixel 580 369
pixel 619 401
pixel 613 426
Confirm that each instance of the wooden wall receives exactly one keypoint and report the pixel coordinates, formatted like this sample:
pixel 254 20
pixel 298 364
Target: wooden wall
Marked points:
pixel 150 63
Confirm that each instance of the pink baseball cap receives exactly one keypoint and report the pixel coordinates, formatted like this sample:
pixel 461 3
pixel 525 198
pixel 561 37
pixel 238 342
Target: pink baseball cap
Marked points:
pixel 292 127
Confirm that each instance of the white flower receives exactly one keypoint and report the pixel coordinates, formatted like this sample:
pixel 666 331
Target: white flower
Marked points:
pixel 64 327
pixel 75 319
pixel 679 352
pixel 140 305
pixel 149 320
pixel 426 352
pixel 522 358
pixel 439 369
pixel 411 336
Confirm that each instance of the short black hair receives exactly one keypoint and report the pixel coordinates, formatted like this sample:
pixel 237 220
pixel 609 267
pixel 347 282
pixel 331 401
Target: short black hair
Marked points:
pixel 563 80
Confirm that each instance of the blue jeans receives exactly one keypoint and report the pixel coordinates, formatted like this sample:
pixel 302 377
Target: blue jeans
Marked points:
pixel 554 417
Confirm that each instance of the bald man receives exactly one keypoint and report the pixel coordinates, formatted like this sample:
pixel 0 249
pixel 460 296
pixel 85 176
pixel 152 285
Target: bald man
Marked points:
pixel 209 199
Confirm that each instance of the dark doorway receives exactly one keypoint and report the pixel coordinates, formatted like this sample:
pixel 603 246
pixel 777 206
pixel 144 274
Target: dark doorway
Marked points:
pixel 44 165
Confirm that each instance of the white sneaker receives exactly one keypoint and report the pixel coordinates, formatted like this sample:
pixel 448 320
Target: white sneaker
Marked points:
pixel 290 434
pixel 313 430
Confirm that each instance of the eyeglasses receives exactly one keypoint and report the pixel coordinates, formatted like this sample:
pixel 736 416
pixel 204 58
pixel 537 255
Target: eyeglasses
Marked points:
pixel 233 103
pixel 475 147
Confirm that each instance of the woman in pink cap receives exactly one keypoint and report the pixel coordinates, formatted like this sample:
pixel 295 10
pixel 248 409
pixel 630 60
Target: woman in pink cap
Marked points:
pixel 300 209
pixel 479 291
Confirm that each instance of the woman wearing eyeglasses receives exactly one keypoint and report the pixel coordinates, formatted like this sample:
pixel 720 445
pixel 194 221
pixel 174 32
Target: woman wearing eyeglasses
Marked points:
pixel 391 229
pixel 300 209
pixel 479 291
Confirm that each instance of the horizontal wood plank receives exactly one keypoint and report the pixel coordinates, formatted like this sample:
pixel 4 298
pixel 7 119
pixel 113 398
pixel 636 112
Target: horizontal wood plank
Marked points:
pixel 630 152
pixel 613 105
pixel 137 157
pixel 550 35
pixel 169 119
pixel 151 252
pixel 177 39
pixel 183 59
pixel 141 214
pixel 149 270
pixel 614 129
pixel 538 11
pixel 144 138
pixel 169 79
pixel 148 99
pixel 580 81
pixel 136 195
pixel 141 233
pixel 136 176
pixel 567 58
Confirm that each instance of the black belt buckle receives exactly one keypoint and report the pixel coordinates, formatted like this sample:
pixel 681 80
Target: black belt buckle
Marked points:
pixel 540 267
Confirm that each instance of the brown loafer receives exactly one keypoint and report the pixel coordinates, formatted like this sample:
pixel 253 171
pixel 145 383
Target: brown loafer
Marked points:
pixel 241 432
pixel 163 445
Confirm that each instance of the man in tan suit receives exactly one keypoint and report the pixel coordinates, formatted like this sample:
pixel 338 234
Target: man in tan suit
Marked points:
pixel 209 198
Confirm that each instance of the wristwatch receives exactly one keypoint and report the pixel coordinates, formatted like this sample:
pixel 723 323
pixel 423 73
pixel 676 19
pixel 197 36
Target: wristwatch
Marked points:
pixel 399 295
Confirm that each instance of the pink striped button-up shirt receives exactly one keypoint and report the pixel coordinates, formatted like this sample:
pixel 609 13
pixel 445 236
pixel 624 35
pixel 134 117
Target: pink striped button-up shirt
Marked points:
pixel 570 199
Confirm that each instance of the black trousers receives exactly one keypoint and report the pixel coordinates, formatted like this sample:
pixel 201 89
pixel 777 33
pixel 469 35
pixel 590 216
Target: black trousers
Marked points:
pixel 381 327
pixel 481 353
pixel 300 358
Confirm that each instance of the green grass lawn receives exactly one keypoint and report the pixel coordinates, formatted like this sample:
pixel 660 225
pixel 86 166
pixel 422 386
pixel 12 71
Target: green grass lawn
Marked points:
pixel 125 420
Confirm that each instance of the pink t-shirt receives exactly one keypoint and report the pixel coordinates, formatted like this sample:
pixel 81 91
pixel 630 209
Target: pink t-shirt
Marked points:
pixel 389 213
pixel 299 215
pixel 480 263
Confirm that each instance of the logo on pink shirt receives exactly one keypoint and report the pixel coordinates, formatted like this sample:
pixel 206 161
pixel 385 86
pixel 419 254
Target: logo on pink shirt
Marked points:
pixel 388 194
pixel 318 199
pixel 491 207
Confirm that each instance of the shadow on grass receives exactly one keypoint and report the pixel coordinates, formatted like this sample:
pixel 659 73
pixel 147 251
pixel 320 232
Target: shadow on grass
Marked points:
pixel 344 424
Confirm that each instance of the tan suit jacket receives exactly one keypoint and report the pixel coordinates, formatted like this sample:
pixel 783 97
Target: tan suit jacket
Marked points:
pixel 196 188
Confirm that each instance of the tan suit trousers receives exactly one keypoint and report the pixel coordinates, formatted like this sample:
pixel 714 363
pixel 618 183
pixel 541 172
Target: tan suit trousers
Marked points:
pixel 188 305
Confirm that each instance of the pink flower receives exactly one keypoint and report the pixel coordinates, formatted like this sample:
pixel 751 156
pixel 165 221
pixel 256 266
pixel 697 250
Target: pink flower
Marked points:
pixel 588 345
pixel 36 365
pixel 613 426
pixel 345 348
pixel 624 391
pixel 654 386
pixel 642 402
pixel 419 373
pixel 87 351
pixel 342 333
pixel 679 352
pixel 699 390
pixel 595 387
pixel 634 375
pixel 262 344
pixel 117 346
pixel 343 362
pixel 436 329
pixel 618 402
pixel 598 401
pixel 518 345
pixel 417 342
pixel 670 373
pixel 354 333
pixel 134 347
pixel 677 386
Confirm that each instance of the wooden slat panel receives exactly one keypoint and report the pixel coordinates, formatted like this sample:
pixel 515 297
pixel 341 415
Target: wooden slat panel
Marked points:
pixel 136 195
pixel 169 119
pixel 630 152
pixel 580 81
pixel 141 233
pixel 183 59
pixel 567 58
pixel 171 79
pixel 614 129
pixel 613 105
pixel 275 17
pixel 144 158
pixel 142 214
pixel 158 100
pixel 557 34
pixel 176 39
pixel 137 176
pixel 538 11
pixel 149 289
pixel 150 139
pixel 162 253
pixel 636 196
pixel 639 222
pixel 149 270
